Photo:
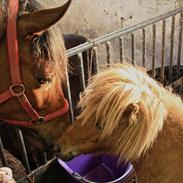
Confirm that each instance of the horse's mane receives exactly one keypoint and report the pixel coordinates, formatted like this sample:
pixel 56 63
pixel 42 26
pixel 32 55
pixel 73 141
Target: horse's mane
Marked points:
pixel 2 11
pixel 108 96
pixel 46 46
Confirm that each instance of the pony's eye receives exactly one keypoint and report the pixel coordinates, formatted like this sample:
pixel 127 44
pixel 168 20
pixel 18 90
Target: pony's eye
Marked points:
pixel 99 126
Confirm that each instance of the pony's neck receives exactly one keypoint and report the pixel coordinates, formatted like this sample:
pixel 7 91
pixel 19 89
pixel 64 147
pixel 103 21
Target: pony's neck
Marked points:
pixel 174 107
pixel 165 157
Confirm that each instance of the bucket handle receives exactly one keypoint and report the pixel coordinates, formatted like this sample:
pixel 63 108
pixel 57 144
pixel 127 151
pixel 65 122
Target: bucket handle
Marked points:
pixel 78 177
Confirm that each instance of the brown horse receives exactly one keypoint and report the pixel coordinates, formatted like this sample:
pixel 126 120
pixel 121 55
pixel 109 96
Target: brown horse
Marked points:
pixel 36 104
pixel 125 112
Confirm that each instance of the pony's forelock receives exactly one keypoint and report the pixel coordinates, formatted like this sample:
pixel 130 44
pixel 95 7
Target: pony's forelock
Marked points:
pixel 107 97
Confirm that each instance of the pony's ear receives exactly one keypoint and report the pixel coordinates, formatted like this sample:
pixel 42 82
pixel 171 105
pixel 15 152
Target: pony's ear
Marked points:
pixel 131 113
pixel 40 20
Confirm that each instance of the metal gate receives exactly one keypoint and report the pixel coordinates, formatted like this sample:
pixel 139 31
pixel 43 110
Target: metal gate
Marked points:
pixel 155 44
pixel 158 41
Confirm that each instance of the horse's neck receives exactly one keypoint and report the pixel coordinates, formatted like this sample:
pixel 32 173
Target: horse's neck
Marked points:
pixel 163 162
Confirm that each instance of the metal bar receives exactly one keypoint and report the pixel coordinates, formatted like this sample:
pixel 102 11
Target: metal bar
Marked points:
pixel 95 60
pixel 121 51
pixel 171 48
pixel 45 157
pixel 154 51
pixel 180 44
pixel 3 158
pixel 68 96
pixel 24 151
pixel 108 49
pixel 162 72
pixel 181 88
pixel 143 47
pixel 37 172
pixel 132 48
pixel 88 63
pixel 119 33
pixel 81 72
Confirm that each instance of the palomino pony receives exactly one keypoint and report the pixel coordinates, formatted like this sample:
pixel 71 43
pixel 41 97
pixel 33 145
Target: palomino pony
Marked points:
pixel 129 114
pixel 33 70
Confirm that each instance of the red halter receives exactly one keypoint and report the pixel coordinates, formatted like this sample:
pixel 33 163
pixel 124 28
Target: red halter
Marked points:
pixel 16 80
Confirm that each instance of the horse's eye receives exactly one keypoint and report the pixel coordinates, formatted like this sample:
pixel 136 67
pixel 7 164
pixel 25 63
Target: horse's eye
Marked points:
pixel 43 80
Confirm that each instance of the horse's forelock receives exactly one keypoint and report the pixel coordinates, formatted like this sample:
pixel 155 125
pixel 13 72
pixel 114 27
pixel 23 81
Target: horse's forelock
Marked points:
pixel 2 10
pixel 58 52
pixel 3 15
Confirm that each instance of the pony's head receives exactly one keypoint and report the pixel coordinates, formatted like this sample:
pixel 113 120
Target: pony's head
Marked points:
pixel 122 113
pixel 42 65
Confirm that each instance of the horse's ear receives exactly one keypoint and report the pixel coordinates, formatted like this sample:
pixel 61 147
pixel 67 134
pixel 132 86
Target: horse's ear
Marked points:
pixel 131 113
pixel 40 20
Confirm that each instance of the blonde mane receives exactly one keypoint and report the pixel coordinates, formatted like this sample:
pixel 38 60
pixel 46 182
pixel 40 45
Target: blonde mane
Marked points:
pixel 111 92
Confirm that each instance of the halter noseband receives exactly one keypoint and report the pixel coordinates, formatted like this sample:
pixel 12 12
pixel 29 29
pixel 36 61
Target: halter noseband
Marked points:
pixel 17 88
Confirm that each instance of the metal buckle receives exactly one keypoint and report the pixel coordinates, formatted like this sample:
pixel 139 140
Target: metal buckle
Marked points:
pixel 39 121
pixel 17 89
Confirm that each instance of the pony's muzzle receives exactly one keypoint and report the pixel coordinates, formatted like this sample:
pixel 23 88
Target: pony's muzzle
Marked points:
pixel 59 152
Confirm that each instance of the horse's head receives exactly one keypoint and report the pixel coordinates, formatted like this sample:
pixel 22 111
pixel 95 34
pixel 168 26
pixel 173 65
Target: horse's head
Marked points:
pixel 42 61
pixel 121 114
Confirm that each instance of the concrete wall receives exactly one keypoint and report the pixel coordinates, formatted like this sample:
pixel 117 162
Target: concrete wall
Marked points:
pixel 94 18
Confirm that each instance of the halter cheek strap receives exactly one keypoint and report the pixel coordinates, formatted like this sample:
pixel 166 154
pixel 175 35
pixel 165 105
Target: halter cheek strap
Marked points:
pixel 17 88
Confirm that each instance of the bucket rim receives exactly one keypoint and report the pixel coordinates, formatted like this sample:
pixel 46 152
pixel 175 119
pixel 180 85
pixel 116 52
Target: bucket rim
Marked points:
pixel 80 178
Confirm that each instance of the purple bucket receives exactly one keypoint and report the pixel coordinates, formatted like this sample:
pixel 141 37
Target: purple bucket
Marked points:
pixel 96 169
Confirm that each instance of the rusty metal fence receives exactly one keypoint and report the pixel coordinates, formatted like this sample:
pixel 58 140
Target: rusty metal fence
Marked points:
pixel 155 44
